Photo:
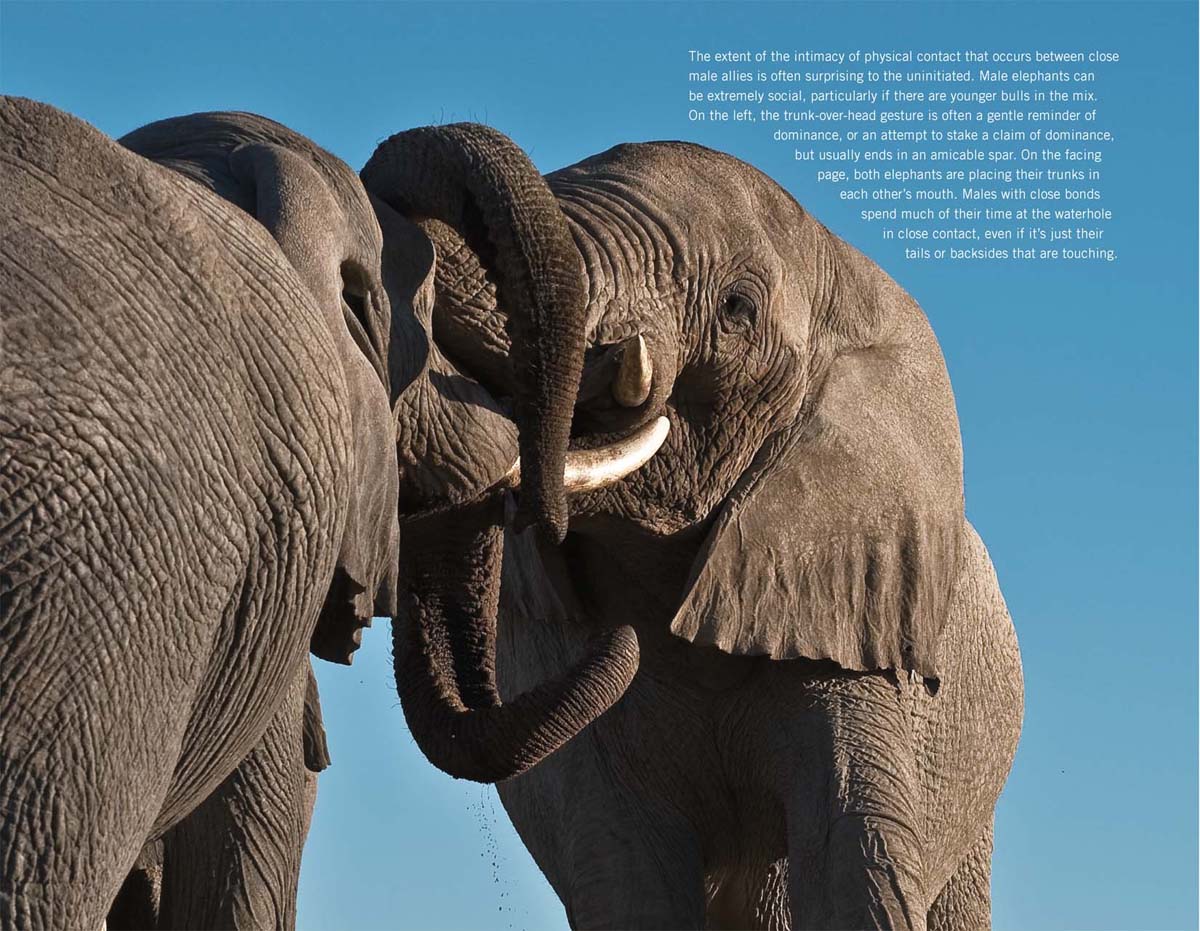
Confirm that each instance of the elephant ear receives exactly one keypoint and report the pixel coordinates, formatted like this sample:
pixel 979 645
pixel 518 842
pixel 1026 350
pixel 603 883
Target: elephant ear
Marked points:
pixel 841 541
pixel 297 207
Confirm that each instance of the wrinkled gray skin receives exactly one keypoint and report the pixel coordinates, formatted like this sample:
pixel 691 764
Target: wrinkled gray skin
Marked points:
pixel 830 694
pixel 197 483
pixel 234 862
pixel 473 190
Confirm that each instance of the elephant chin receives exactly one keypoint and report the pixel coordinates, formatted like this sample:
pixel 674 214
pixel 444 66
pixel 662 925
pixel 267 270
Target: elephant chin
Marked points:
pixel 444 648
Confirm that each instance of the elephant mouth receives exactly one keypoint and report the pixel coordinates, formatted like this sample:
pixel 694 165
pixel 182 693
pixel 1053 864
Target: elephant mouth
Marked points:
pixel 444 639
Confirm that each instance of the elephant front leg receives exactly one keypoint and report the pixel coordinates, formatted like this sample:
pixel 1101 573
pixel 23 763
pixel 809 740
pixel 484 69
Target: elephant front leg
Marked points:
pixel 234 862
pixel 616 859
pixel 966 899
pixel 854 836
pixel 136 905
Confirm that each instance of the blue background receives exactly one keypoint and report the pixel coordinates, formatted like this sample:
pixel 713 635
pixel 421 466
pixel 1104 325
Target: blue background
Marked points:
pixel 1076 387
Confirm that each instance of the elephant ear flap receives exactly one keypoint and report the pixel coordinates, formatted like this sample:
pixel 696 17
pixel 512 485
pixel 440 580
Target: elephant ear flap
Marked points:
pixel 301 212
pixel 295 205
pixel 841 541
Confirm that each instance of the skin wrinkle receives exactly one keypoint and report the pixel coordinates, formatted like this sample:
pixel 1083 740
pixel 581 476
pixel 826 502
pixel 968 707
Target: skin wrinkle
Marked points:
pixel 634 249
pixel 585 199
pixel 462 282
pixel 878 790
pixel 441 430
pixel 261 810
pixel 470 176
pixel 134 528
pixel 284 451
pixel 69 566
pixel 196 284
pixel 292 196
pixel 262 288
pixel 443 646
pixel 190 289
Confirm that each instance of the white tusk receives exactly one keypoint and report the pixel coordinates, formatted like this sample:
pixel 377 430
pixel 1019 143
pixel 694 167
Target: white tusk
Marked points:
pixel 635 374
pixel 591 469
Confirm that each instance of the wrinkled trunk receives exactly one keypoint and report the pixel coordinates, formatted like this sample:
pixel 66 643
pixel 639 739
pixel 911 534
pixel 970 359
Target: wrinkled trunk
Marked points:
pixel 469 187
pixel 444 646
pixel 483 186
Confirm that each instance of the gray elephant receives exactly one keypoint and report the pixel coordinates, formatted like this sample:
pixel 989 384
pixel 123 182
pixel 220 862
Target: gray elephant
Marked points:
pixel 234 861
pixel 829 694
pixel 197 483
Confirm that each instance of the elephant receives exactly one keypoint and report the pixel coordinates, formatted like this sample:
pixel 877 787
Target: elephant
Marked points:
pixel 827 694
pixel 234 861
pixel 198 484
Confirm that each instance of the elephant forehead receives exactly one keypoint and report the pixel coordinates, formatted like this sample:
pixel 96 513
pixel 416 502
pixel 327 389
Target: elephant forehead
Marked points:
pixel 681 177
pixel 645 230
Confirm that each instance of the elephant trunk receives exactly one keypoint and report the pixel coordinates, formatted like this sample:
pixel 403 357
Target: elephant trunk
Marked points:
pixel 480 183
pixel 444 649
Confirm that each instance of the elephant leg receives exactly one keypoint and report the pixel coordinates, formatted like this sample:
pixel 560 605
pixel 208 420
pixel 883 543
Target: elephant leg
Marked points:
pixel 637 873
pixel 78 790
pixel 965 902
pixel 854 837
pixel 234 862
pixel 136 905
pixel 615 858
pixel 751 899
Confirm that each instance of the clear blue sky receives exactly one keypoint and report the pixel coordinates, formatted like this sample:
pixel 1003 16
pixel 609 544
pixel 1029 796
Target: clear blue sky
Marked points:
pixel 1076 388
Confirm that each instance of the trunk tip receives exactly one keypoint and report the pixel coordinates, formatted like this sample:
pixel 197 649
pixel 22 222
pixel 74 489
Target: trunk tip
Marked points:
pixel 547 513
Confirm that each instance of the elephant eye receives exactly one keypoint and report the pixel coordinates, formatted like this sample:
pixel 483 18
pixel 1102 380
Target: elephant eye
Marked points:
pixel 738 311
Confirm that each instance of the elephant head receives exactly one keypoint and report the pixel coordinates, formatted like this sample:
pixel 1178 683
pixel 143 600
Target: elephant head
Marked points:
pixel 316 210
pixel 814 436
pixel 813 468
pixel 464 212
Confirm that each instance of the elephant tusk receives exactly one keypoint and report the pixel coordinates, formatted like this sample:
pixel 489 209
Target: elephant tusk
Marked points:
pixel 635 374
pixel 592 469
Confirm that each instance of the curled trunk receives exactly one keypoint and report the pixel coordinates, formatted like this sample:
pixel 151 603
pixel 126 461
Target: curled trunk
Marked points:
pixel 444 646
pixel 481 184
